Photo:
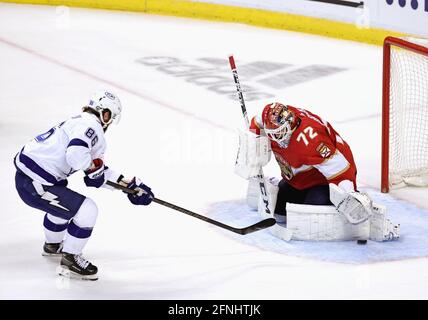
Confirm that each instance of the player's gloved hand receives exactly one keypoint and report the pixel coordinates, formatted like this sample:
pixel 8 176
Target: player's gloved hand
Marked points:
pixel 94 176
pixel 144 195
pixel 357 207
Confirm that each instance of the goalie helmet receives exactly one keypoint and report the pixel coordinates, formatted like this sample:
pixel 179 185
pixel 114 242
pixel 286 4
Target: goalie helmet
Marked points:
pixel 107 106
pixel 279 123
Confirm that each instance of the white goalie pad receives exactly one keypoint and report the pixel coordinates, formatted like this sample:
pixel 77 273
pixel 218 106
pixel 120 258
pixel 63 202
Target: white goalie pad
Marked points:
pixel 381 228
pixel 253 193
pixel 325 223
pixel 254 197
pixel 355 206
pixel 279 231
pixel 254 152
pixel 255 201
pixel 271 187
pixel 322 223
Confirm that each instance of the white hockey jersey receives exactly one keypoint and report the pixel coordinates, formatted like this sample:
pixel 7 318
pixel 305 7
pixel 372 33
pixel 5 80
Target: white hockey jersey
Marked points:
pixel 63 150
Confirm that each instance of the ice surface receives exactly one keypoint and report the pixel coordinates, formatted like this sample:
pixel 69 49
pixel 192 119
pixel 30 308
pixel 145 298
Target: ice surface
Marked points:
pixel 177 134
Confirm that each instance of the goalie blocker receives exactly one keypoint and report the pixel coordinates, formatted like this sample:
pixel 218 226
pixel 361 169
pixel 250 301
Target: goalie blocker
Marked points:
pixel 326 222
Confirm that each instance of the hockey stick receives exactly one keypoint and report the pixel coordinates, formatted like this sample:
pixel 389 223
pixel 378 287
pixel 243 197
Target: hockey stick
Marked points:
pixel 278 231
pixel 260 176
pixel 242 231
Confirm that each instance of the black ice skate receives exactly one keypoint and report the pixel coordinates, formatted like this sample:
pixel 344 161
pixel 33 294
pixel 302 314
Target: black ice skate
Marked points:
pixel 76 267
pixel 52 249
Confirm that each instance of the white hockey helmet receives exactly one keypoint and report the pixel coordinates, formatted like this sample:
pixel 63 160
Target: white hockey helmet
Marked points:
pixel 108 106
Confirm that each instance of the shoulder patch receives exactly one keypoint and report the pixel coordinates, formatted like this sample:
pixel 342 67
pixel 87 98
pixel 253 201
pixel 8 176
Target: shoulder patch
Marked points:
pixel 323 150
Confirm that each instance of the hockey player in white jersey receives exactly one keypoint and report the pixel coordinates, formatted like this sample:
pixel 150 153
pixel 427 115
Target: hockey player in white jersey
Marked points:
pixel 43 166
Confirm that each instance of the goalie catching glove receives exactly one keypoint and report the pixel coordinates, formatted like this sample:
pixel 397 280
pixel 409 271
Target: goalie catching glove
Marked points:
pixel 357 207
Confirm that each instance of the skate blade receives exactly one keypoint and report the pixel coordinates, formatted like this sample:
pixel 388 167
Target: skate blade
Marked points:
pixel 65 272
pixel 46 254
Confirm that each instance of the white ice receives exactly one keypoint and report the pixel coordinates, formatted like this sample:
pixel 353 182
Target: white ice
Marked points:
pixel 179 137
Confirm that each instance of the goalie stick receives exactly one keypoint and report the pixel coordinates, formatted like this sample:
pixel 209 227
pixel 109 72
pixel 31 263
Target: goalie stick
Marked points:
pixel 266 223
pixel 279 231
pixel 260 176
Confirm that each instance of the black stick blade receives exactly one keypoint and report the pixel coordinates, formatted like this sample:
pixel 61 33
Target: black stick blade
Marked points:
pixel 259 226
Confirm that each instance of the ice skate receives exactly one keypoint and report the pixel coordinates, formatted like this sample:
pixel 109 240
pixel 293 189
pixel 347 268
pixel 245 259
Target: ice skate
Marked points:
pixel 52 249
pixel 76 267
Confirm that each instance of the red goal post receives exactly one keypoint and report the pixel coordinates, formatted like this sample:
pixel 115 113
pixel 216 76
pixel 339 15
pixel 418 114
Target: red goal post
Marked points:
pixel 404 113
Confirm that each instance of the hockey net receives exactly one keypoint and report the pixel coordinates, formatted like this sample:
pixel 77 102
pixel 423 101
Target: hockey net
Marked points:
pixel 405 113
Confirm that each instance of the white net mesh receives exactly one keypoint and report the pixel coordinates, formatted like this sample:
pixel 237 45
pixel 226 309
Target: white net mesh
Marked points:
pixel 408 144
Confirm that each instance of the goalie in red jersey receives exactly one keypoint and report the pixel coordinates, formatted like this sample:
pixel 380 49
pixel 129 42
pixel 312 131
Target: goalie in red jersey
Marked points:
pixel 317 165
pixel 310 153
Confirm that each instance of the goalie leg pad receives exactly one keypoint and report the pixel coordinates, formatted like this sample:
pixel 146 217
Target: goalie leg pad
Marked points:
pixel 253 193
pixel 322 223
pixel 255 201
pixel 325 223
pixel 272 193
pixel 381 228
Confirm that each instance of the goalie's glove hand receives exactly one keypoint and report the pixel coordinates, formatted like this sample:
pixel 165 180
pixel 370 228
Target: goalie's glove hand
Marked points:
pixel 94 176
pixel 357 207
pixel 143 196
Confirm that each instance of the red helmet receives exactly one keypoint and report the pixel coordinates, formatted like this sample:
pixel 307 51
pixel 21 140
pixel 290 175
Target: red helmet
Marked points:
pixel 279 123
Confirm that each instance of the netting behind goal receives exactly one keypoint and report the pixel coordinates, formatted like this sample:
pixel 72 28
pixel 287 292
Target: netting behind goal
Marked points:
pixel 405 113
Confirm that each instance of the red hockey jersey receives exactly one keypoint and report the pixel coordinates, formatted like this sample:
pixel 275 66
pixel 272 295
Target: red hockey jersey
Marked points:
pixel 316 154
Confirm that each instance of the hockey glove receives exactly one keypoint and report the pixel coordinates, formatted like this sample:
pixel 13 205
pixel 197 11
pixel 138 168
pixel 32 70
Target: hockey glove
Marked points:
pixel 144 195
pixel 357 207
pixel 254 152
pixel 94 176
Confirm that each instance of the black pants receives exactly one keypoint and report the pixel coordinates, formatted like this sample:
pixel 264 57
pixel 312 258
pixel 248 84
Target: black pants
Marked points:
pixel 318 195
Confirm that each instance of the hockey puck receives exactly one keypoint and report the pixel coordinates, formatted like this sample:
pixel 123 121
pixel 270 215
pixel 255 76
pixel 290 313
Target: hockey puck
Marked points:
pixel 362 241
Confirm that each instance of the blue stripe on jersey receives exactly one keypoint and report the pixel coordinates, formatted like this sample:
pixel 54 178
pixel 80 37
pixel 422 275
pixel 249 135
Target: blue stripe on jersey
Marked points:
pixel 77 142
pixel 78 232
pixel 33 166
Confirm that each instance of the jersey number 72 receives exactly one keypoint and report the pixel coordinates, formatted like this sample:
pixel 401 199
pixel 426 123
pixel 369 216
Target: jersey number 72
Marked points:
pixel 307 131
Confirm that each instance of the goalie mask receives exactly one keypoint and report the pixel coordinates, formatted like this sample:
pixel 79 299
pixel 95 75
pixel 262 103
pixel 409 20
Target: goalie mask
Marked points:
pixel 107 106
pixel 279 123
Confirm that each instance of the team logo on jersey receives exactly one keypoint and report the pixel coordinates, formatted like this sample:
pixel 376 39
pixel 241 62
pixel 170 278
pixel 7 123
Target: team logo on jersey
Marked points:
pixel 285 167
pixel 324 151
